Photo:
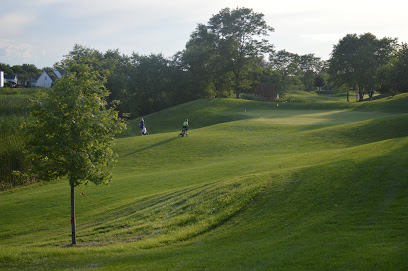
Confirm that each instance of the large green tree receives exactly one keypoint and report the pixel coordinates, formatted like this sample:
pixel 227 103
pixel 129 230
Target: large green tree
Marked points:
pixel 233 41
pixel 343 62
pixel 355 60
pixel 72 131
pixel 203 63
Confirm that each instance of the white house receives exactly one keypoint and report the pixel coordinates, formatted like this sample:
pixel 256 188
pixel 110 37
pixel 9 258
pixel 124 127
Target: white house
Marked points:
pixel 47 78
pixel 10 78
pixel 1 79
pixel 44 80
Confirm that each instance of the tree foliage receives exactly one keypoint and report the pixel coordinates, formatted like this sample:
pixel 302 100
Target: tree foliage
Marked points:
pixel 72 129
pixel 149 81
pixel 401 68
pixel 309 67
pixel 227 48
pixel 393 76
pixel 355 60
pixel 294 68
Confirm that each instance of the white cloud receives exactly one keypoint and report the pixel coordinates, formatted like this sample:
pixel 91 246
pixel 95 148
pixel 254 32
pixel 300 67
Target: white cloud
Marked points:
pixel 16 49
pixel 13 23
pixel 15 52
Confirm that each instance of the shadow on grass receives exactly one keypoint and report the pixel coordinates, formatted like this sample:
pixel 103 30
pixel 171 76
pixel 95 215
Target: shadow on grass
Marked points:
pixel 151 146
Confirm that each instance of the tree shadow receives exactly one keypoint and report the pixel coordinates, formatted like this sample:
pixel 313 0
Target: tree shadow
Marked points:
pixel 151 146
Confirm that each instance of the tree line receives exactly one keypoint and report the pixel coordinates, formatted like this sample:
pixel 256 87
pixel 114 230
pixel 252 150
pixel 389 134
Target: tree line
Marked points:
pixel 229 56
pixel 20 69
pixel 226 57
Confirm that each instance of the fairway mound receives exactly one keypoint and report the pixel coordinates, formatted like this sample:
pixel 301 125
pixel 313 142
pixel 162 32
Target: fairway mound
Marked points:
pixel 171 217
pixel 396 104
pixel 363 132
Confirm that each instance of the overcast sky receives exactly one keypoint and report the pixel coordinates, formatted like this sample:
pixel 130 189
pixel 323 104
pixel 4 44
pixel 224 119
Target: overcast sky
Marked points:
pixel 41 32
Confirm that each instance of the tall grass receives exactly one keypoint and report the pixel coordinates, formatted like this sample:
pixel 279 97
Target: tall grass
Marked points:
pixel 13 109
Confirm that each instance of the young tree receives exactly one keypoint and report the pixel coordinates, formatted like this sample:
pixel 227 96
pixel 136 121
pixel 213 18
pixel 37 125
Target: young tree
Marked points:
pixel 72 131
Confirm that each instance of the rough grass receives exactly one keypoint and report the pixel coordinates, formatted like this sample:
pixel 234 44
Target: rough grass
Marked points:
pixel 297 187
pixel 13 108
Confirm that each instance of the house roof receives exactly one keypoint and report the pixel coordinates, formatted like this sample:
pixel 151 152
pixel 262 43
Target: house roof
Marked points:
pixel 61 71
pixel 51 74
pixel 10 76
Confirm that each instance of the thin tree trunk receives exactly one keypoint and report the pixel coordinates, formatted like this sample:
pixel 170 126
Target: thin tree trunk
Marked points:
pixel 73 214
pixel 361 94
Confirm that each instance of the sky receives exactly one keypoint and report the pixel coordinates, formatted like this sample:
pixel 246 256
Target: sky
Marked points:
pixel 42 32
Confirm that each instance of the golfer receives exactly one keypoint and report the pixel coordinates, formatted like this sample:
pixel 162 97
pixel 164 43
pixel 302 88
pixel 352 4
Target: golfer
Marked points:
pixel 142 126
pixel 185 126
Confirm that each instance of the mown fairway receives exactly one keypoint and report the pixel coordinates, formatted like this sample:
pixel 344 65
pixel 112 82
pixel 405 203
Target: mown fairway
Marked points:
pixel 316 185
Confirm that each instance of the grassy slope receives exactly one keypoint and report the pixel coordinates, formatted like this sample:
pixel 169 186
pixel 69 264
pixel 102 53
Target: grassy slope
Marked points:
pixel 288 187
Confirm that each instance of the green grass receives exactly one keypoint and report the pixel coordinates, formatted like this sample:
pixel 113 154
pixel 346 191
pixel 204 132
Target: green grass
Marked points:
pixel 314 185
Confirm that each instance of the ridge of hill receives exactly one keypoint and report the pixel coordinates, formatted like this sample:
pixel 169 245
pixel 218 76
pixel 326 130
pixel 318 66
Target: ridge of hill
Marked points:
pixel 207 112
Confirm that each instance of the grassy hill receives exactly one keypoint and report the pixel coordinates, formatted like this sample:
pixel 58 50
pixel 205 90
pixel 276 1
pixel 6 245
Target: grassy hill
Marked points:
pixel 315 184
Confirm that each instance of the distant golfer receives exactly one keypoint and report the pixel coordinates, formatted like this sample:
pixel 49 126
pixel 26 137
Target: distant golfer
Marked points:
pixel 142 126
pixel 185 128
